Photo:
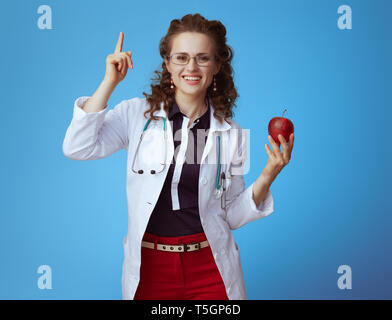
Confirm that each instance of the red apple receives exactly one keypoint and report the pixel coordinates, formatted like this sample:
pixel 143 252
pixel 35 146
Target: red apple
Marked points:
pixel 280 125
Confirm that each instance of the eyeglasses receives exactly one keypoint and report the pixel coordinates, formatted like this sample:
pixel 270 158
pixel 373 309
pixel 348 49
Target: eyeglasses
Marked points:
pixel 202 60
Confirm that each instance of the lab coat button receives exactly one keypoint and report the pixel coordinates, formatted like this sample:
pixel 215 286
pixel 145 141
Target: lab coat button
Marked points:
pixel 203 180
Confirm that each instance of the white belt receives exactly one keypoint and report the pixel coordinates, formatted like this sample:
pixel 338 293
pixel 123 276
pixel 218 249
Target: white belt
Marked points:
pixel 195 246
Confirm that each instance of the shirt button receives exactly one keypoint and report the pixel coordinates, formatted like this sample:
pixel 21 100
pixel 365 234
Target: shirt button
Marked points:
pixel 203 180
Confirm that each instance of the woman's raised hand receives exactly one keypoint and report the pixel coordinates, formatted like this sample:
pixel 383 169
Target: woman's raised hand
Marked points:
pixel 117 63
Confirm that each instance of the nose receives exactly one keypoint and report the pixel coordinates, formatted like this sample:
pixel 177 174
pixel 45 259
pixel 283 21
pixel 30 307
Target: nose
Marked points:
pixel 192 65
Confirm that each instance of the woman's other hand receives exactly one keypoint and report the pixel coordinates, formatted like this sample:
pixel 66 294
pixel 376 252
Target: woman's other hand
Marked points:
pixel 278 160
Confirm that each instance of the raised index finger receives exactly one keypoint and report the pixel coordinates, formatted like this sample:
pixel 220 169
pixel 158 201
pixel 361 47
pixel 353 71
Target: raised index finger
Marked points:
pixel 119 43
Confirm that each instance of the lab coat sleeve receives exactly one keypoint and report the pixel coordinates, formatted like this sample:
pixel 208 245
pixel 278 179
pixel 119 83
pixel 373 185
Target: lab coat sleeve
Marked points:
pixel 240 206
pixel 96 135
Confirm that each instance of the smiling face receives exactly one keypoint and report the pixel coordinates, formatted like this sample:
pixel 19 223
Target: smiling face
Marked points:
pixel 192 79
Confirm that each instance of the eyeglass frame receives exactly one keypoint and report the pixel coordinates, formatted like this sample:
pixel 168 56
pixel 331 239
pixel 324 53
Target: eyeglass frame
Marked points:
pixel 194 57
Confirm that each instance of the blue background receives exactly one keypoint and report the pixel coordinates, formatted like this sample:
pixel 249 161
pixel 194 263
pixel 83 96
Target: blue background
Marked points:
pixel 331 201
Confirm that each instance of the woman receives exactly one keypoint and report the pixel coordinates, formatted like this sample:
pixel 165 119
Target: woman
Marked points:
pixel 186 192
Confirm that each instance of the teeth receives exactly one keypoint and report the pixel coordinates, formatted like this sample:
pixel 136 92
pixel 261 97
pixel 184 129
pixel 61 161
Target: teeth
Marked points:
pixel 192 78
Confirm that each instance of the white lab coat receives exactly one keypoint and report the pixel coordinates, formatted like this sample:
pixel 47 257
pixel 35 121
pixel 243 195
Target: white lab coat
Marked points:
pixel 98 135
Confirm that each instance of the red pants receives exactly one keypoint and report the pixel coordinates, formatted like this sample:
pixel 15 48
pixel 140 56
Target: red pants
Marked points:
pixel 179 275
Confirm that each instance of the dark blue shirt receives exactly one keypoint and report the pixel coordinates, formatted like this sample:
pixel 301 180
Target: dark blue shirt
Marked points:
pixel 184 218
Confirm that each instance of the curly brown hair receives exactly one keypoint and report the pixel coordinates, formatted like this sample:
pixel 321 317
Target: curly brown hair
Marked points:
pixel 223 99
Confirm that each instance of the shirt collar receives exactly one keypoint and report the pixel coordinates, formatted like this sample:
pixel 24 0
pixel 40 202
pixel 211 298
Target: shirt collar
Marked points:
pixel 175 109
pixel 214 123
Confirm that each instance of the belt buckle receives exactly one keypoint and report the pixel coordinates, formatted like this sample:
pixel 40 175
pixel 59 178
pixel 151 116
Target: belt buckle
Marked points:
pixel 198 247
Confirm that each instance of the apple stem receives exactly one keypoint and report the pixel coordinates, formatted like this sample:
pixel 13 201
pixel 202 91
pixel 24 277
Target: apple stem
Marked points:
pixel 284 112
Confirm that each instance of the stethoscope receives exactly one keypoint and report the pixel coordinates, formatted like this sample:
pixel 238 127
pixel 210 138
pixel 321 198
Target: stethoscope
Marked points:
pixel 140 141
pixel 220 182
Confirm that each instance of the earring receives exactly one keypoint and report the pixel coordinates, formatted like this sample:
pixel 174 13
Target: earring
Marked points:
pixel 171 84
pixel 214 84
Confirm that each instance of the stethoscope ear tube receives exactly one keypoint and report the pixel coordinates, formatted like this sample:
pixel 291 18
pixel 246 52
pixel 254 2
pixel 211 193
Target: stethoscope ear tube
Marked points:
pixel 140 171
pixel 220 188
pixel 217 185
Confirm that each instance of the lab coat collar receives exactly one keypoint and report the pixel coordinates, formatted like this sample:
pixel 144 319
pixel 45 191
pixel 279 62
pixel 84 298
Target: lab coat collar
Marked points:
pixel 215 125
